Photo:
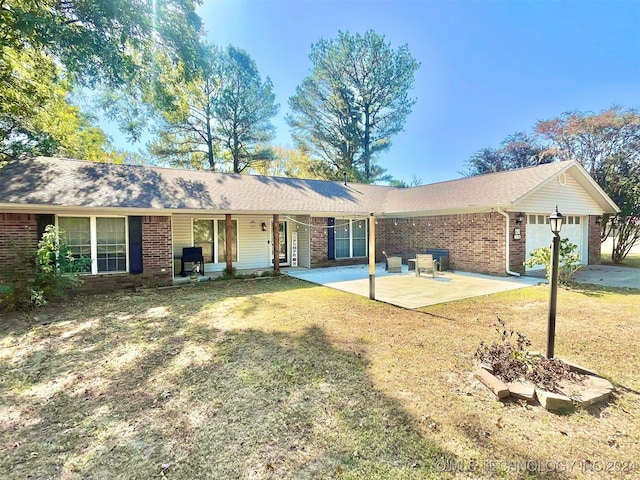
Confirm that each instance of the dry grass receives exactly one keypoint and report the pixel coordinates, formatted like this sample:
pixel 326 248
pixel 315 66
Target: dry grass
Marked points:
pixel 278 379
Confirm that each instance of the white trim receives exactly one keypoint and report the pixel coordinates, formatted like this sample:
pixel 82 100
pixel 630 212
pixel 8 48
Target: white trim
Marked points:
pixel 93 239
pixel 351 230
pixel 215 219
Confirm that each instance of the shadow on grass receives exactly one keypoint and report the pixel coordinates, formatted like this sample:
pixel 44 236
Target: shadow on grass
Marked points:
pixel 597 291
pixel 152 388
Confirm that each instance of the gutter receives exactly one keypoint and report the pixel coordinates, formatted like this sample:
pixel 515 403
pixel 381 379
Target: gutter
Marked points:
pixel 506 246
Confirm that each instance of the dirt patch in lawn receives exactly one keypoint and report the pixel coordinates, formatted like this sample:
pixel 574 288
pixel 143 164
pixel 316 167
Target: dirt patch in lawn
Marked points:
pixel 279 379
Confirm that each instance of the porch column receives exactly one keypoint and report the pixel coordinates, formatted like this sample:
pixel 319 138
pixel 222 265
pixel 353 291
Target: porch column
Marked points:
pixel 276 243
pixel 228 235
pixel 372 257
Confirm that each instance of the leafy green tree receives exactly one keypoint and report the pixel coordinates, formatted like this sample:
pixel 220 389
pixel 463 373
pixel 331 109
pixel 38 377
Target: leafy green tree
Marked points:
pixel 185 118
pixel 354 101
pixel 516 151
pixel 607 145
pixel 108 40
pixel 35 116
pixel 223 116
pixel 49 46
pixel 287 162
pixel 243 109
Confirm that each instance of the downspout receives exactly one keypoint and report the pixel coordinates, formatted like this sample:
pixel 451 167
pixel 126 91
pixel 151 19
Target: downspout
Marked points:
pixel 506 246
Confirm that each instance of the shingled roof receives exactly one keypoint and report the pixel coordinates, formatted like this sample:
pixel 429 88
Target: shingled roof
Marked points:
pixel 65 183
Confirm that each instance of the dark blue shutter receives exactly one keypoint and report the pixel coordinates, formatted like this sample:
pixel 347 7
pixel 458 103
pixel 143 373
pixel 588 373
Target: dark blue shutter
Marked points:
pixel 135 244
pixel 43 221
pixel 331 238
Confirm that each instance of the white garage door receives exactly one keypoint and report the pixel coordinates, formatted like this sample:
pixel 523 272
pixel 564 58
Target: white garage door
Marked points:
pixel 539 234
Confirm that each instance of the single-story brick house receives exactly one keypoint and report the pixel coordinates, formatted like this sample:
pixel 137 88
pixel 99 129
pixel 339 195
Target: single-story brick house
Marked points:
pixel 133 221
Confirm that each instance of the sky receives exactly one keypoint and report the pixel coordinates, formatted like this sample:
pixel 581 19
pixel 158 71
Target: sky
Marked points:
pixel 488 68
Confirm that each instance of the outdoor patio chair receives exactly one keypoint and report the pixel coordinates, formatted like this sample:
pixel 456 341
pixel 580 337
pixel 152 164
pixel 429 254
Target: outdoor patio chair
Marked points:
pixel 392 264
pixel 425 261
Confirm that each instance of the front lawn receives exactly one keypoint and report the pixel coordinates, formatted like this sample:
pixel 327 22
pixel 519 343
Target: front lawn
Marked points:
pixel 277 378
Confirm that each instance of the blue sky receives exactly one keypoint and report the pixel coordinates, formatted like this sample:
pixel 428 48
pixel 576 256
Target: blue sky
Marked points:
pixel 488 68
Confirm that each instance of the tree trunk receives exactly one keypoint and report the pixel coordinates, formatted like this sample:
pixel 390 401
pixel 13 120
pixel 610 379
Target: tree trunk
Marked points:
pixel 236 154
pixel 212 161
pixel 367 146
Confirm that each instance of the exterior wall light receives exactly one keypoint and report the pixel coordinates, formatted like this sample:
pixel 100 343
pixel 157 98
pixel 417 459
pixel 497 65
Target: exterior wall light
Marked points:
pixel 264 227
pixel 599 220
pixel 520 218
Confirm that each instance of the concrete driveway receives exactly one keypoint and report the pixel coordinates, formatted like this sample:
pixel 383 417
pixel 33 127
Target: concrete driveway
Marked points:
pixel 609 276
pixel 408 291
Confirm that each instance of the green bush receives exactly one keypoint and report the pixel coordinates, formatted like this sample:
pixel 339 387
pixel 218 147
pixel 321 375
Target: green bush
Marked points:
pixel 569 260
pixel 40 275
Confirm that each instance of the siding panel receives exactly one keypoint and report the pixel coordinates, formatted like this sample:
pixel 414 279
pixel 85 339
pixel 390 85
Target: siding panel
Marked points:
pixel 304 240
pixel 253 246
pixel 566 193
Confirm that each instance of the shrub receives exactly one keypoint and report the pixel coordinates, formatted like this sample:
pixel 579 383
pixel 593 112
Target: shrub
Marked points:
pixel 38 276
pixel 569 260
pixel 512 362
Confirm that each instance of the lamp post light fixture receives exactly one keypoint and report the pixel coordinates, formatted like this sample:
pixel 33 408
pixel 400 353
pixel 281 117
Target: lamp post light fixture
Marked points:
pixel 555 221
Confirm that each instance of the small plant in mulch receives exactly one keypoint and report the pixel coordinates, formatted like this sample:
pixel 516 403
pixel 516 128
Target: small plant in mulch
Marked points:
pixel 511 361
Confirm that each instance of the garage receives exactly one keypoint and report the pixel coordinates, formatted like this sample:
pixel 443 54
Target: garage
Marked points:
pixel 574 228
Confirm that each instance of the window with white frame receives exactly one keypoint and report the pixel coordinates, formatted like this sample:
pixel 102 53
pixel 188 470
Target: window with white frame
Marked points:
pixel 211 236
pixel 103 239
pixel 350 238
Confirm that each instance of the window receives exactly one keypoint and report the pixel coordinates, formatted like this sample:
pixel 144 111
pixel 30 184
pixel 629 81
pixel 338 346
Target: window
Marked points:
pixel 103 239
pixel 111 244
pixel 351 238
pixel 222 241
pixel 211 236
pixel 78 232
pixel 203 237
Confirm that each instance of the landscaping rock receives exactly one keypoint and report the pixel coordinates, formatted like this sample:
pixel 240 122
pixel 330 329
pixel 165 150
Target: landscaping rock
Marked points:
pixel 523 390
pixel 554 401
pixel 574 367
pixel 494 384
pixel 591 390
pixel 487 366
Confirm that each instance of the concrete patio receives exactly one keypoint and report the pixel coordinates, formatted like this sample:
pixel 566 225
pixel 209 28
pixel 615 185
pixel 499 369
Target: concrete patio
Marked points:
pixel 408 291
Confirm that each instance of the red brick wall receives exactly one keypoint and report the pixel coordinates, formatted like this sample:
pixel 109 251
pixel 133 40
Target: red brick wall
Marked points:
pixel 517 247
pixel 21 230
pixel 157 254
pixel 17 231
pixel 320 246
pixel 595 246
pixel 475 241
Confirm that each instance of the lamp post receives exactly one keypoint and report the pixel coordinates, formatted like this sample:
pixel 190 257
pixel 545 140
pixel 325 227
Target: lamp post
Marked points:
pixel 555 221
